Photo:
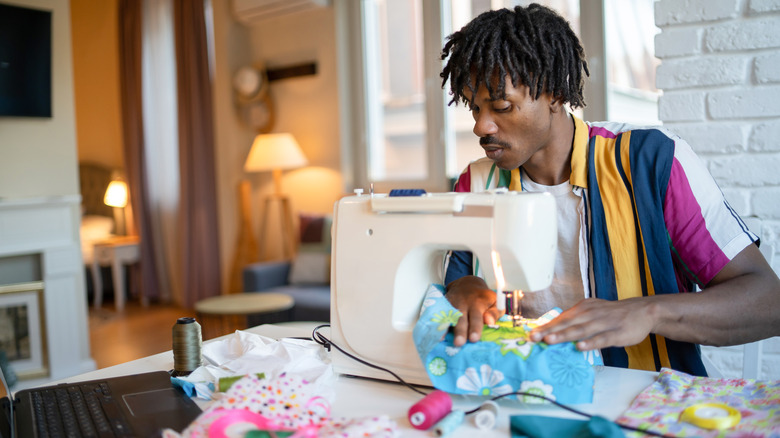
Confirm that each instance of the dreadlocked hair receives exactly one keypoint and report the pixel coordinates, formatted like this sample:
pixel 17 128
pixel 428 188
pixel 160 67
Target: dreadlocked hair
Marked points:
pixel 534 46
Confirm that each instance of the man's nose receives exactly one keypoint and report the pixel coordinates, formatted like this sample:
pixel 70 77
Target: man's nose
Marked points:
pixel 484 125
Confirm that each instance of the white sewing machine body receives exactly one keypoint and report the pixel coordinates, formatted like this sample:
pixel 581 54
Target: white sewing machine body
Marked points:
pixel 387 250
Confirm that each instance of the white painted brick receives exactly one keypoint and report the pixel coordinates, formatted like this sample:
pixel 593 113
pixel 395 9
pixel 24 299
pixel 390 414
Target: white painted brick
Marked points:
pixel 713 138
pixel 764 203
pixel 694 11
pixel 771 346
pixel 739 199
pixel 759 6
pixel 747 171
pixel 764 137
pixel 702 72
pixel 728 360
pixel 682 106
pixel 743 35
pixel 678 42
pixel 744 103
pixel 767 68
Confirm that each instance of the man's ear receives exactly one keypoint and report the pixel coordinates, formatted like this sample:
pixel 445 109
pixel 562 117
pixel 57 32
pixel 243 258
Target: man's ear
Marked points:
pixel 556 104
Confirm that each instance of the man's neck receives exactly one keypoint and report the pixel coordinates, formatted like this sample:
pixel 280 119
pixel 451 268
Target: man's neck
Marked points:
pixel 552 166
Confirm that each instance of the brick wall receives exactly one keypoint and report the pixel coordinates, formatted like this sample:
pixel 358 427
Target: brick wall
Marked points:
pixel 720 76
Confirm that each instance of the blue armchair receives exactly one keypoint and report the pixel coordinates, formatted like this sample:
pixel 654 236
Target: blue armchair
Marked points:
pixel 312 300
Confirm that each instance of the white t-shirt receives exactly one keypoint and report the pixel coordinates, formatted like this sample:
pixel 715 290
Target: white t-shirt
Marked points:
pixel 567 288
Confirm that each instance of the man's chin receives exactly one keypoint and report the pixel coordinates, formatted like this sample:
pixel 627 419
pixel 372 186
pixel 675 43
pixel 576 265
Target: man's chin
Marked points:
pixel 505 165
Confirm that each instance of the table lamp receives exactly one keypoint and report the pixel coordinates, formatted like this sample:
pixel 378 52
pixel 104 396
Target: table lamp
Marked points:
pixel 116 196
pixel 275 153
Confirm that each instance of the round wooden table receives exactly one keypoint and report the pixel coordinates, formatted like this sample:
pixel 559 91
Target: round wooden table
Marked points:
pixel 225 314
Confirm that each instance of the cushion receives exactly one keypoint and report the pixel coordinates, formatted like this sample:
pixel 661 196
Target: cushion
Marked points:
pixel 312 263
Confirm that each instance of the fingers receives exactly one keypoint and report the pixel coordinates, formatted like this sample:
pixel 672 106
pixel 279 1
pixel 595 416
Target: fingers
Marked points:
pixel 469 326
pixel 595 324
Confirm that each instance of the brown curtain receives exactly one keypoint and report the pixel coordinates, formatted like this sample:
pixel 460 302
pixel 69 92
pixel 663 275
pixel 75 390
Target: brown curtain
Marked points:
pixel 200 263
pixel 130 37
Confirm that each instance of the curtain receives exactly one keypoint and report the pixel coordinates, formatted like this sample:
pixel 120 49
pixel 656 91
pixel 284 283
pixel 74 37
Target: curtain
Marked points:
pixel 158 59
pixel 200 263
pixel 169 147
pixel 130 37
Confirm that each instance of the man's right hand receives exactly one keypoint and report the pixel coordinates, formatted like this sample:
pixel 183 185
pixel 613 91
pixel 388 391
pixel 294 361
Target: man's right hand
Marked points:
pixel 472 297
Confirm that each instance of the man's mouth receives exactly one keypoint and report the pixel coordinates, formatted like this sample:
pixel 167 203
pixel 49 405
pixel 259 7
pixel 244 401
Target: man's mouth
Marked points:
pixel 493 147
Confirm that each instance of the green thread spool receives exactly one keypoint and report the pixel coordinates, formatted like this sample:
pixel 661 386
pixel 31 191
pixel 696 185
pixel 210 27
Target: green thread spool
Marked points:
pixel 187 343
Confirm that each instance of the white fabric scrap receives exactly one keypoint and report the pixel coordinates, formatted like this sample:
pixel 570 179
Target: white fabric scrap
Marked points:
pixel 245 353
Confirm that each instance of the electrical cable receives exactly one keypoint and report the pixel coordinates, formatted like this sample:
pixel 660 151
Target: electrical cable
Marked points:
pixel 327 343
pixel 322 340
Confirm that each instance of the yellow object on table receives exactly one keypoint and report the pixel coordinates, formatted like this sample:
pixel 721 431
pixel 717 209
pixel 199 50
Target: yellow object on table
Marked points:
pixel 711 416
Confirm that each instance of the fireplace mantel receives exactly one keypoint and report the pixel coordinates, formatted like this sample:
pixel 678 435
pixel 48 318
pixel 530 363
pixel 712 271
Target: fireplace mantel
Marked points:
pixel 48 227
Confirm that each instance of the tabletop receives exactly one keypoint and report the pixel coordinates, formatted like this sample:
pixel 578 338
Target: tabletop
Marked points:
pixel 614 389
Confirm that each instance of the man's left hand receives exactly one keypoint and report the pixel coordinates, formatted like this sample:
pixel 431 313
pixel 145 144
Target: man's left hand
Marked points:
pixel 594 323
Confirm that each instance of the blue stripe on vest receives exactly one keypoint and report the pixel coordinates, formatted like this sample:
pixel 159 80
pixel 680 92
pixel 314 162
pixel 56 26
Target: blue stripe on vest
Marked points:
pixel 603 269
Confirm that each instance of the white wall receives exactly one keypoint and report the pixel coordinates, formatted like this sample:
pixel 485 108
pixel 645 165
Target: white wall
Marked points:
pixel 720 76
pixel 38 156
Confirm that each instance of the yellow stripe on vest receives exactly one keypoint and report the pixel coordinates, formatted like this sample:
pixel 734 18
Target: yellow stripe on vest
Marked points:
pixel 619 218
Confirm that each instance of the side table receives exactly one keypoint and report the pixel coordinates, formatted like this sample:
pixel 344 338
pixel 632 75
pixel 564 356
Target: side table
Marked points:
pixel 225 314
pixel 115 252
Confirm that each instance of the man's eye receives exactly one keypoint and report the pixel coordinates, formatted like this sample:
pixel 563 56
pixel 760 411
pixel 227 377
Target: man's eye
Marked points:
pixel 503 109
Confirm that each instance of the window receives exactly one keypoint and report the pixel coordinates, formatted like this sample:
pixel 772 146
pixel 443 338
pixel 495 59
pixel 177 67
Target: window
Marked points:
pixel 399 131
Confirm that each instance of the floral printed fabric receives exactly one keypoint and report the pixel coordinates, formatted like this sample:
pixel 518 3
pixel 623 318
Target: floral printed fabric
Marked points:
pixel 659 406
pixel 286 403
pixel 503 361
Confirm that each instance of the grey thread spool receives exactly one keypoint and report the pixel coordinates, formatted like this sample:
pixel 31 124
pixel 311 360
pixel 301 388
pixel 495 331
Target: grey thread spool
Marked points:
pixel 186 346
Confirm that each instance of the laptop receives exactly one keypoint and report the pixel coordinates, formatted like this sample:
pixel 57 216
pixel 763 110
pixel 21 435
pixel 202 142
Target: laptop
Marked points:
pixel 137 405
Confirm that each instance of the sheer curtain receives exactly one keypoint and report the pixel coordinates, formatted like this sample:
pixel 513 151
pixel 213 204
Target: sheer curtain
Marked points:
pixel 169 147
pixel 130 71
pixel 161 140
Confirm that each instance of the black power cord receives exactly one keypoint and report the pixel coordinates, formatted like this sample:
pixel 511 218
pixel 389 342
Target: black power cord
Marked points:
pixel 327 343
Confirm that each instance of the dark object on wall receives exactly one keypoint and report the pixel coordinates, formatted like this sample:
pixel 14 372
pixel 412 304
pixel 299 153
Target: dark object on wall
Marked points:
pixel 25 62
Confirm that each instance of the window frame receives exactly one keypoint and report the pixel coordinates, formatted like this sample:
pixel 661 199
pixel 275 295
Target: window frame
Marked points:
pixel 356 124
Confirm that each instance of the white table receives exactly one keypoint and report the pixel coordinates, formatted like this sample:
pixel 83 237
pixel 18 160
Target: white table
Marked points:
pixel 615 388
pixel 115 252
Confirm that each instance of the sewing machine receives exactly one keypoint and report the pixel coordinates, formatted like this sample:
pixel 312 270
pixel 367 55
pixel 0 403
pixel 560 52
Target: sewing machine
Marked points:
pixel 387 250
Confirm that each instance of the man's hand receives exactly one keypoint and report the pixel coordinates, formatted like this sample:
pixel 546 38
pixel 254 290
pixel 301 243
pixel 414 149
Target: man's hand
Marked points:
pixel 471 296
pixel 595 324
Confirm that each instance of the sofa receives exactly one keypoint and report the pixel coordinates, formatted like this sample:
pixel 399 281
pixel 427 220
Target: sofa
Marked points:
pixel 306 277
pixel 312 300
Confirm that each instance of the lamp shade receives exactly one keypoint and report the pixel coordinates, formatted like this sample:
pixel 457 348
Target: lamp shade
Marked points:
pixel 274 152
pixel 116 194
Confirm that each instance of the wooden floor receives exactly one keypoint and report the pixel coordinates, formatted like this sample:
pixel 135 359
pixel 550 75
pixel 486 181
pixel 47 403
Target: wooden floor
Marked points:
pixel 117 337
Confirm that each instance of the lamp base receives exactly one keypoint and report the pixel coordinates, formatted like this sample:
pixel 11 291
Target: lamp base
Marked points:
pixel 286 221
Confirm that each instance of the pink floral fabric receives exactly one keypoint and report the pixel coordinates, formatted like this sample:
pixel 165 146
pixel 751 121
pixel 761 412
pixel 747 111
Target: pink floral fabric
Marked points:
pixel 286 403
pixel 659 406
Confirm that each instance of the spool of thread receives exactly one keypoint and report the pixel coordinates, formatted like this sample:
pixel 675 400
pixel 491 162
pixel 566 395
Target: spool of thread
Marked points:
pixel 449 423
pixel 186 346
pixel 428 411
pixel 485 417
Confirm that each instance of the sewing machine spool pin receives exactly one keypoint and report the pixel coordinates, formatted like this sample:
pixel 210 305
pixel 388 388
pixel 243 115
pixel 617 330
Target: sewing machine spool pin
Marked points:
pixel 513 311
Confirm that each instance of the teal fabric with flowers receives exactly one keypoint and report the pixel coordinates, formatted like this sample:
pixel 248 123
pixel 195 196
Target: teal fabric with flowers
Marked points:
pixel 503 361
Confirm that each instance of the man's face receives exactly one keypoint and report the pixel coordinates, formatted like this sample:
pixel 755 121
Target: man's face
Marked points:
pixel 511 129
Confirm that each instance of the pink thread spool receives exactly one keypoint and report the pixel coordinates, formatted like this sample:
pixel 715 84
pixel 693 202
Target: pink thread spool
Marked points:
pixel 428 411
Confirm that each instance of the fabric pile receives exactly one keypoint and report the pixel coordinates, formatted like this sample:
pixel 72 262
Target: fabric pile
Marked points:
pixel 284 386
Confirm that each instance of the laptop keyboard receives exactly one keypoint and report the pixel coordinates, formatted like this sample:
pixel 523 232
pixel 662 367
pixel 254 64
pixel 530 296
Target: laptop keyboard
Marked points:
pixel 78 410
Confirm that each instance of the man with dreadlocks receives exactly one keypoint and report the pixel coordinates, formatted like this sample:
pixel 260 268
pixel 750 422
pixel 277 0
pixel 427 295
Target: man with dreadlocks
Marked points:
pixel 640 220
